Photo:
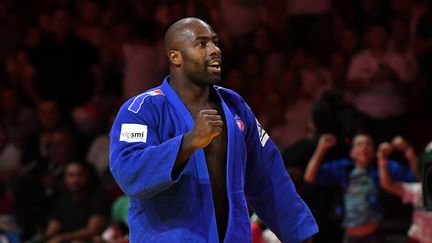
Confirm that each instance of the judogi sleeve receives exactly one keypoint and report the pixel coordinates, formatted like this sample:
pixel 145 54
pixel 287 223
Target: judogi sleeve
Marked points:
pixel 400 172
pixel 269 189
pixel 140 163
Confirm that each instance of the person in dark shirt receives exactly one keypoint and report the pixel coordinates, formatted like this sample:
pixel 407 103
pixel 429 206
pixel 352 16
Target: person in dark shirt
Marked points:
pixel 82 212
pixel 63 64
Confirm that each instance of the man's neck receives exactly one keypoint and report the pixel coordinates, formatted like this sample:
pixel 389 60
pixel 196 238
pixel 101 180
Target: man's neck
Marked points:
pixel 190 93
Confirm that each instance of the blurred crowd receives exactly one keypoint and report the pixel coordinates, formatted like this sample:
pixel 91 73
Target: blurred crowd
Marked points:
pixel 305 67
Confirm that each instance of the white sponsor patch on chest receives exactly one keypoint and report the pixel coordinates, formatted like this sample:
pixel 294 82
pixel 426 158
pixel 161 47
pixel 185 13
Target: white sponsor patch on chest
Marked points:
pixel 133 133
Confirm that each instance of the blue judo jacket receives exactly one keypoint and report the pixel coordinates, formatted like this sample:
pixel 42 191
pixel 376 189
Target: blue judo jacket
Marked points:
pixel 166 207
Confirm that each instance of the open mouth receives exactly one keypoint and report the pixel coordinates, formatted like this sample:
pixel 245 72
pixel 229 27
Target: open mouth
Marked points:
pixel 214 66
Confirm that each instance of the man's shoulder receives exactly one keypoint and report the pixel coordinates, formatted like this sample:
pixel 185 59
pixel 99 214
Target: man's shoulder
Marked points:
pixel 154 96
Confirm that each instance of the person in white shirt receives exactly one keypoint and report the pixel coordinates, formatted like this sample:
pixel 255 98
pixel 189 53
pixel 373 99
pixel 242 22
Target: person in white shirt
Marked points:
pixel 376 79
pixel 420 229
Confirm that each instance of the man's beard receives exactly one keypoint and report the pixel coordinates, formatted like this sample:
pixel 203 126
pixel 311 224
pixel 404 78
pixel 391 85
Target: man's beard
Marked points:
pixel 206 78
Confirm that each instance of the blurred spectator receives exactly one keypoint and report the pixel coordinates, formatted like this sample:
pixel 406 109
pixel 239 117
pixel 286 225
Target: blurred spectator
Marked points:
pixel 348 42
pixel 49 118
pixel 330 114
pixel 9 33
pixel 82 212
pixel 420 230
pixel 423 47
pixel 240 17
pixel 309 19
pixel 98 153
pixel 143 59
pixel 19 121
pixel 88 25
pixel 9 168
pixel 263 40
pixel 274 66
pixel 19 72
pixel 62 148
pixel 39 183
pixel 118 230
pixel 314 81
pixel 400 42
pixel 358 177
pixel 401 8
pixel 63 64
pixel 338 69
pixel 377 78
pixel 256 228
pixel 10 157
pixel 98 156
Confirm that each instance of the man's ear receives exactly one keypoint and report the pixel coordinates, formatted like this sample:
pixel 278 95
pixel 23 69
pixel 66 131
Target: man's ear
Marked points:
pixel 175 57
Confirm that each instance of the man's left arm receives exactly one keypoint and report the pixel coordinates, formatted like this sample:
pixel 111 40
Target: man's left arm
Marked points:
pixel 270 191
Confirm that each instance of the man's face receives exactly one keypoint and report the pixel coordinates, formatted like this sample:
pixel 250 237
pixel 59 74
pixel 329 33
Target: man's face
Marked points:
pixel 377 37
pixel 48 114
pixel 362 151
pixel 201 56
pixel 75 177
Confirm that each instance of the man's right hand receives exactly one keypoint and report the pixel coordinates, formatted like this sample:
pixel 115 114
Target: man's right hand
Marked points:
pixel 208 125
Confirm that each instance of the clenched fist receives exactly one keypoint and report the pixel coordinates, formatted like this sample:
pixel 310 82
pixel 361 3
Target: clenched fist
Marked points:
pixel 326 141
pixel 399 144
pixel 384 151
pixel 208 125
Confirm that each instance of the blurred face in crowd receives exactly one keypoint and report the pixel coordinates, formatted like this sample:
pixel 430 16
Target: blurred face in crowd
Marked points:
pixel 8 101
pixel 274 65
pixel 32 37
pixel 310 83
pixel 261 39
pixel 377 37
pixel 61 147
pixel 60 22
pixel 89 12
pixel 400 32
pixel 76 177
pixel 252 66
pixel 400 6
pixel 48 115
pixel 338 66
pixel 362 150
pixel 348 41
pixel 44 22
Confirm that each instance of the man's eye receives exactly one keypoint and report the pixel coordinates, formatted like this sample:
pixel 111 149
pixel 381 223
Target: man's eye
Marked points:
pixel 201 44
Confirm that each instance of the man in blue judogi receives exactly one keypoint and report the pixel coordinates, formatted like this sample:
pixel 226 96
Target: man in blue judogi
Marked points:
pixel 191 155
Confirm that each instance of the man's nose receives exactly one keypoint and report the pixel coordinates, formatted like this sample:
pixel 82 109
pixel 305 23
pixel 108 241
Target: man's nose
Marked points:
pixel 214 50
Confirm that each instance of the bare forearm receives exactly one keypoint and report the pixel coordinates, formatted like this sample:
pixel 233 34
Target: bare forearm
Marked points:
pixel 414 169
pixel 387 182
pixel 81 234
pixel 412 160
pixel 313 165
